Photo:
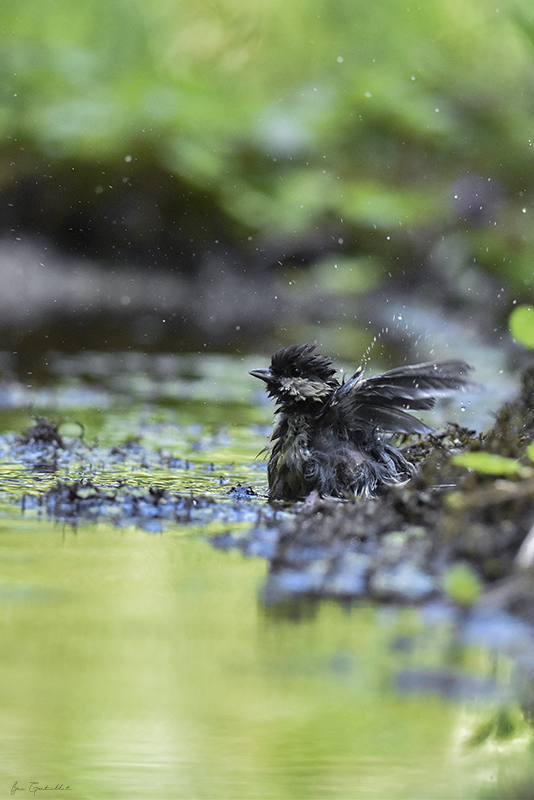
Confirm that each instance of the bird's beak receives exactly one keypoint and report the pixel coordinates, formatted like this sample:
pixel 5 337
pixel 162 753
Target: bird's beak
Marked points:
pixel 263 374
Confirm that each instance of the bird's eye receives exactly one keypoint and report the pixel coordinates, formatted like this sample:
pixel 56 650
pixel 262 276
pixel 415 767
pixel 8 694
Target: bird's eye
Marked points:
pixel 295 372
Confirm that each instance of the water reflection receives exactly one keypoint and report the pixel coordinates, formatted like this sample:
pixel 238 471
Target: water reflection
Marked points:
pixel 146 666
pixel 134 666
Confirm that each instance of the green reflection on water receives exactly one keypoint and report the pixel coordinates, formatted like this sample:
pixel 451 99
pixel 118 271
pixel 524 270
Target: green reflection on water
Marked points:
pixel 214 457
pixel 143 666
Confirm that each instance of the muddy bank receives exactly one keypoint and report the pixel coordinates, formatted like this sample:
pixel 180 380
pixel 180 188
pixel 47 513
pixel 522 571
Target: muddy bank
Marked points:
pixel 451 532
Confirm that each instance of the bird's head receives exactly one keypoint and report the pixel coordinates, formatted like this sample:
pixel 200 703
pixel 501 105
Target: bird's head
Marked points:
pixel 298 377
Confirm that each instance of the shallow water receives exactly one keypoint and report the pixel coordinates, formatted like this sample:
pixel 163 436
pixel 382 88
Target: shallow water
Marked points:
pixel 142 666
pixel 145 666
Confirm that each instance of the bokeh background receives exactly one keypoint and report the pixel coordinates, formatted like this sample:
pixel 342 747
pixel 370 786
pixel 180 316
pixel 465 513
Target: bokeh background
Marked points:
pixel 222 177
pixel 228 176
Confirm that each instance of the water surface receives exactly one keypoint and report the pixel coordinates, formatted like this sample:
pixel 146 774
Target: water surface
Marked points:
pixel 135 665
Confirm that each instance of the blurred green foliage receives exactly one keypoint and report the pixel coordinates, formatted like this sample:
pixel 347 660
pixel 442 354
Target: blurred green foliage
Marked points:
pixel 293 114
pixel 462 584
pixel 522 325
pixel 492 464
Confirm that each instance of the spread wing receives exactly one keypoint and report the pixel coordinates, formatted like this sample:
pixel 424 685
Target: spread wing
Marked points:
pixel 380 401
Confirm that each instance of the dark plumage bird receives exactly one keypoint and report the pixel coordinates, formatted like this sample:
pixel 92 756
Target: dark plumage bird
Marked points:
pixel 332 438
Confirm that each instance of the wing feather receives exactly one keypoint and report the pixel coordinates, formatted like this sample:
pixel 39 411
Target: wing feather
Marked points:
pixel 380 401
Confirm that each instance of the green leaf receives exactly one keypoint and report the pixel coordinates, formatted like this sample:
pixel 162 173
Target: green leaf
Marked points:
pixel 521 324
pixel 491 464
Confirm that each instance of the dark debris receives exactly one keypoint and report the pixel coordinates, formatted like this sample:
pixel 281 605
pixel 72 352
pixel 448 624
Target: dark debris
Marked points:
pixel 240 492
pixel 43 432
pixel 123 504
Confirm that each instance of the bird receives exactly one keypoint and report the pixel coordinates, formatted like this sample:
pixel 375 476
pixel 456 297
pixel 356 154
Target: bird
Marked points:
pixel 334 440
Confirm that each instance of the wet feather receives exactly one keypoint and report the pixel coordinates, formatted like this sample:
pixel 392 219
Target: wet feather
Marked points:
pixel 333 438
